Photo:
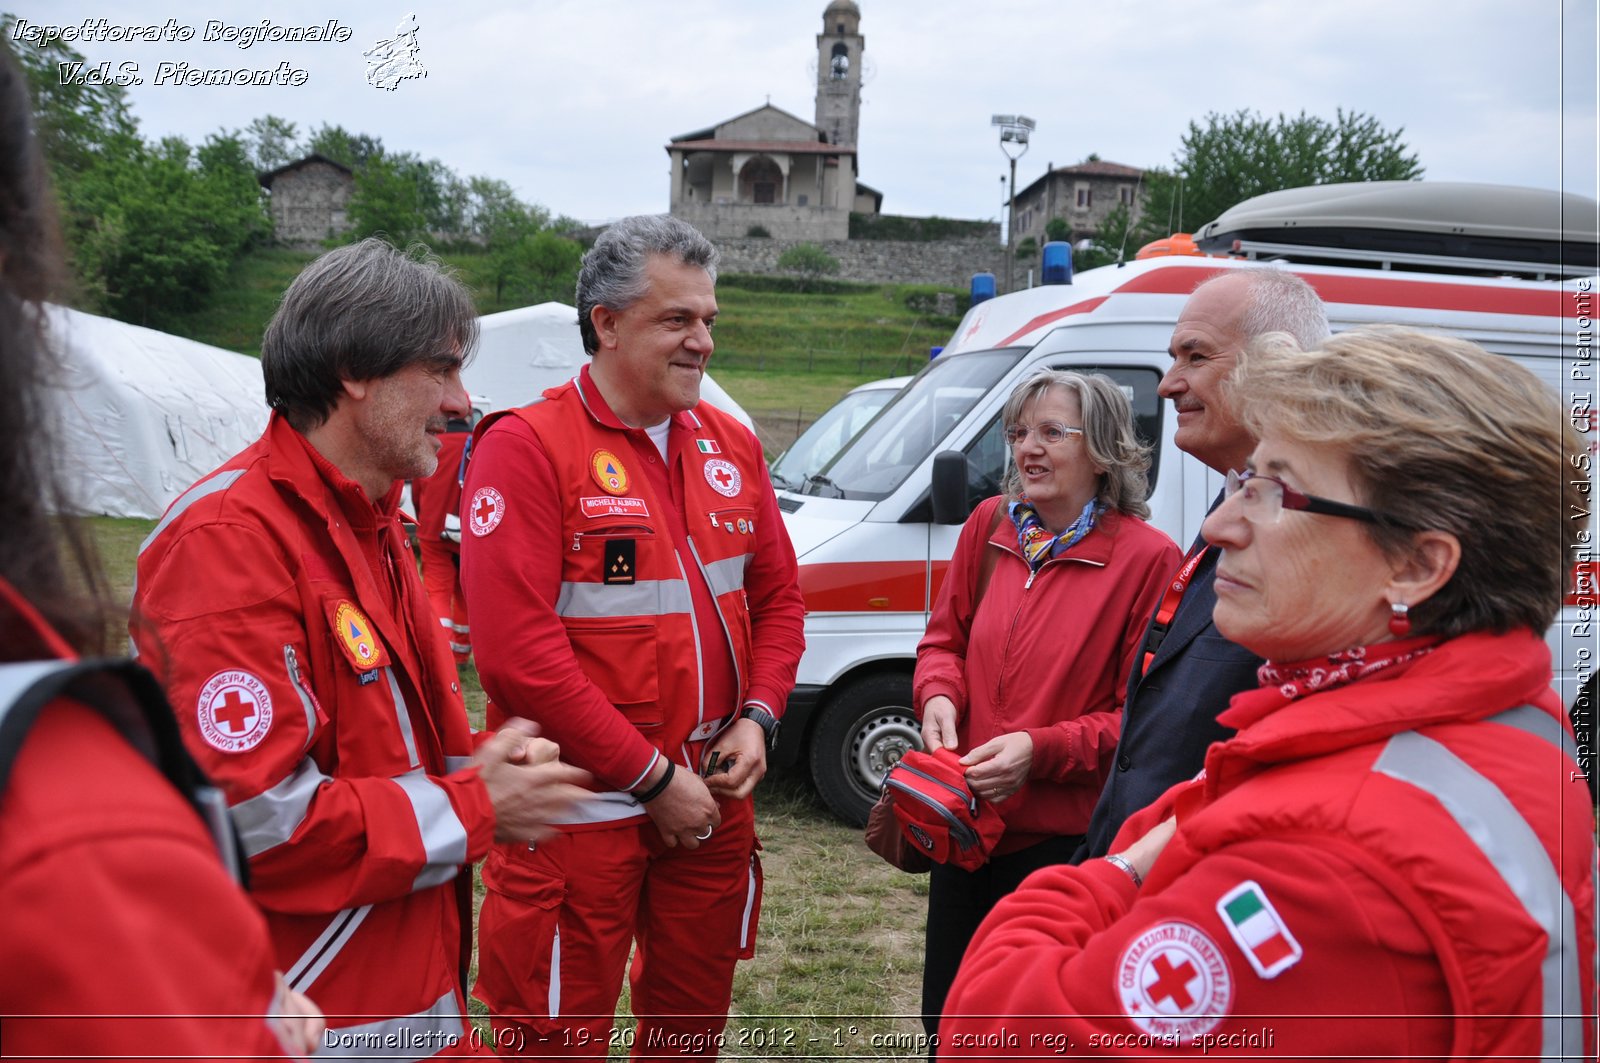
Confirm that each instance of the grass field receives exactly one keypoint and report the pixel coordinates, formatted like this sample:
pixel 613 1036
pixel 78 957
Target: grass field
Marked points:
pixel 839 955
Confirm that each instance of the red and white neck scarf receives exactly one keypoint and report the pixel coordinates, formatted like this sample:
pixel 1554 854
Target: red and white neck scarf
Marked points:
pixel 1295 679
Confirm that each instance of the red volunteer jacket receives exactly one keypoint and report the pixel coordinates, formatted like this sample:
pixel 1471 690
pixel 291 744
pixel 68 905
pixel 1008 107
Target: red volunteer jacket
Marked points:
pixel 1051 659
pixel 282 610
pixel 119 928
pixel 1398 866
pixel 606 616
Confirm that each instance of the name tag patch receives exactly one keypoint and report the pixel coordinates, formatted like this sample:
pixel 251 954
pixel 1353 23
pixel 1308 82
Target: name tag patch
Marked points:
pixel 613 507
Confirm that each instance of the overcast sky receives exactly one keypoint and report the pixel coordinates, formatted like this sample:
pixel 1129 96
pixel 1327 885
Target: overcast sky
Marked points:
pixel 571 101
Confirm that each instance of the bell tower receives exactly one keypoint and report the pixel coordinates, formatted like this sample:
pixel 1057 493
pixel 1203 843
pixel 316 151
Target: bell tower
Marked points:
pixel 839 61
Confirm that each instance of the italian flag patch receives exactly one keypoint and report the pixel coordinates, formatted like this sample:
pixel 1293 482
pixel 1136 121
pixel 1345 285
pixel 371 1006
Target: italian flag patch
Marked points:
pixel 708 446
pixel 1259 930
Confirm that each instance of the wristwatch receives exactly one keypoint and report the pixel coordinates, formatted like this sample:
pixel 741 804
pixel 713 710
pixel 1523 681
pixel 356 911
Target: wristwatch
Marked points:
pixel 764 720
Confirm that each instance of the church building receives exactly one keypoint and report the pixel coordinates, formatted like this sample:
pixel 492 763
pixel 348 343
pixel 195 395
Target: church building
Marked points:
pixel 768 172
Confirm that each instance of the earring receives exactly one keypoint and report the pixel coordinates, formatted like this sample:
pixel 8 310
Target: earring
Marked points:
pixel 1399 620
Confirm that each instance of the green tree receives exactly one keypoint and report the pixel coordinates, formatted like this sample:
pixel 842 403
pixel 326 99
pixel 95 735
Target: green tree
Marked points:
pixel 354 150
pixel 809 262
pixel 1109 242
pixel 1231 158
pixel 1057 229
pixel 270 142
pixel 158 226
pixel 542 267
pixel 75 122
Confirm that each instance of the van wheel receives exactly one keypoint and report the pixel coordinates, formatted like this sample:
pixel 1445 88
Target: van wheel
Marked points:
pixel 866 729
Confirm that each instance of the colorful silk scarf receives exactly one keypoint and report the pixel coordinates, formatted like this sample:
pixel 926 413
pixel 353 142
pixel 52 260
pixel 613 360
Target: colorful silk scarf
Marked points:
pixel 1037 543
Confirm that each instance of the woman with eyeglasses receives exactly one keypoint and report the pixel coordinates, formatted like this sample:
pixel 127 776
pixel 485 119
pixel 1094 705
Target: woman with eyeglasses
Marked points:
pixel 1394 855
pixel 1032 638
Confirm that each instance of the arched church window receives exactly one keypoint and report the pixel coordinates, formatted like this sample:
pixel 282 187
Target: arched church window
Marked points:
pixel 839 68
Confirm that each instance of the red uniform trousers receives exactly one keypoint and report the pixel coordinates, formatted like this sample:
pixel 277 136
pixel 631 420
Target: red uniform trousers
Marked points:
pixel 585 894
pixel 441 577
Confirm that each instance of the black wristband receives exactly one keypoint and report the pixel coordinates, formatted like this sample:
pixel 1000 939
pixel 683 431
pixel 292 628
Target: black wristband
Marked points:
pixel 661 784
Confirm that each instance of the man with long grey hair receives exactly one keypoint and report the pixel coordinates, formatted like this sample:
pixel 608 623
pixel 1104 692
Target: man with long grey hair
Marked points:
pixel 639 600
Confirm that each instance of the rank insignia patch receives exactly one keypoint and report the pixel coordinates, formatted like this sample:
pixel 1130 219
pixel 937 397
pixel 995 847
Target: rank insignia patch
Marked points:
pixel 608 472
pixel 619 563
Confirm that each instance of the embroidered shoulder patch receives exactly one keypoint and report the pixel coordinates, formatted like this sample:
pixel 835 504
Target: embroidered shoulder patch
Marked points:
pixel 1259 930
pixel 607 470
pixel 357 637
pixel 234 711
pixel 483 515
pixel 1174 982
pixel 708 446
pixel 723 476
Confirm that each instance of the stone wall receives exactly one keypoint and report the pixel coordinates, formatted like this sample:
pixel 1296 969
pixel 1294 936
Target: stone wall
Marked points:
pixel 945 262
pixel 730 221
pixel 309 205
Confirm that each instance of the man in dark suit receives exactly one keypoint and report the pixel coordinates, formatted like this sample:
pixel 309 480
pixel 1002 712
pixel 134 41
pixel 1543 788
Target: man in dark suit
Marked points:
pixel 1174 695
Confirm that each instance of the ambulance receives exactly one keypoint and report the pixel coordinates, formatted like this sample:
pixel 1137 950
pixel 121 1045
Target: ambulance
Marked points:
pixel 875 528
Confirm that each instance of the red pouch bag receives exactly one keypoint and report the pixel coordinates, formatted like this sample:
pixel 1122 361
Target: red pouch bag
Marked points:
pixel 938 812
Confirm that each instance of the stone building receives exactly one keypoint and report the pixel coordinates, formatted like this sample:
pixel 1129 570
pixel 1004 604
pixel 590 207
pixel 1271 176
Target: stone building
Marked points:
pixel 308 199
pixel 1082 195
pixel 768 170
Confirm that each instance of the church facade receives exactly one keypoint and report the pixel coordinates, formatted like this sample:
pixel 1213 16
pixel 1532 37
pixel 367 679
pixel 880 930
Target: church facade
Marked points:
pixel 768 172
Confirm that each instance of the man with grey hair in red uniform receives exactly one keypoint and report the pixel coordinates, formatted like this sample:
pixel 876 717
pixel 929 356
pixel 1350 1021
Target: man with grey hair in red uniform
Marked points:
pixel 637 596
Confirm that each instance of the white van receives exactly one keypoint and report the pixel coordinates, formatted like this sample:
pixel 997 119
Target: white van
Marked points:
pixel 875 529
pixel 828 434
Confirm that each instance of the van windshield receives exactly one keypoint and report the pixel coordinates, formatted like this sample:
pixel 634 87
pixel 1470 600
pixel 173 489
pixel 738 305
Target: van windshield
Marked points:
pixel 878 460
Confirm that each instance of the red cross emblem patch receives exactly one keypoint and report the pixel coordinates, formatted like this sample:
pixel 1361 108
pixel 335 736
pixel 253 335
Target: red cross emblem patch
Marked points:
pixel 485 510
pixel 234 711
pixel 723 476
pixel 1174 982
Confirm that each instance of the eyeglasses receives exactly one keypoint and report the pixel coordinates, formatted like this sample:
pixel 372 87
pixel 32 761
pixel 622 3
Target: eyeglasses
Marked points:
pixel 1049 432
pixel 1266 497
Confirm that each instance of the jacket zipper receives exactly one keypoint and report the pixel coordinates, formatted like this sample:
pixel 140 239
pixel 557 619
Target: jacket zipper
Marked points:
pixel 970 801
pixel 733 653
pixel 615 532
pixel 960 833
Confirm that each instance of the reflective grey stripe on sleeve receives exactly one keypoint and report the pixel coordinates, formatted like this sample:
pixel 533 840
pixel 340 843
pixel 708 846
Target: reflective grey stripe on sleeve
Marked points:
pixel 329 943
pixel 444 839
pixel 1510 845
pixel 648 597
pixel 403 716
pixel 220 482
pixel 271 817
pixel 291 663
pixel 1540 724
pixel 452 764
pixel 422 1036
pixel 725 576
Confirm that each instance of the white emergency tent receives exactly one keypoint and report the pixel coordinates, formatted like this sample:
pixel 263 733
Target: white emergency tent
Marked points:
pixel 522 352
pixel 142 414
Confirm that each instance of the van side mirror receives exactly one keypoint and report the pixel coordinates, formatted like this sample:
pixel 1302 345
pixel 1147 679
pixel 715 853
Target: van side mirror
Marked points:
pixel 949 490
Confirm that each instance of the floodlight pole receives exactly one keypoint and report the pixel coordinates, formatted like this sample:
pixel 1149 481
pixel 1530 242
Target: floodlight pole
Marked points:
pixel 1014 129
